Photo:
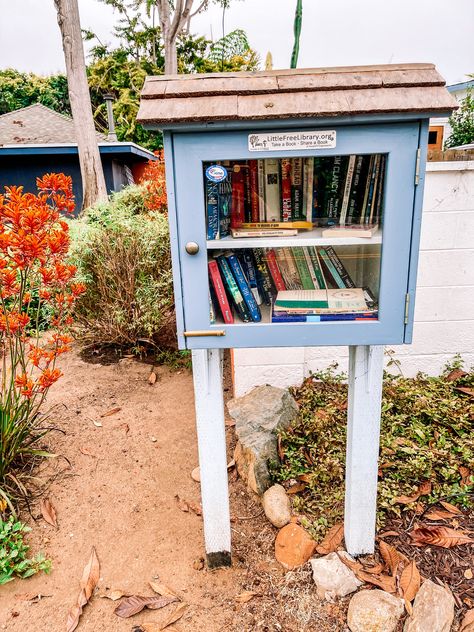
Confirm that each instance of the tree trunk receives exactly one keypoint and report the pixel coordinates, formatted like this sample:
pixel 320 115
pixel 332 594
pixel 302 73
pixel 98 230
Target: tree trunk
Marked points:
pixel 93 181
pixel 171 58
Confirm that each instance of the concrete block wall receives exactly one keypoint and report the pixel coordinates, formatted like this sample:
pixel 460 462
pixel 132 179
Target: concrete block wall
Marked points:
pixel 444 311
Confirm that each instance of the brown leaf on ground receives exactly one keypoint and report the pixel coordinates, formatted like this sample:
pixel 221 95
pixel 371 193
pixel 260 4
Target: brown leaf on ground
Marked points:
pixel 390 556
pixel 245 596
pixel 305 478
pixel 114 595
pixel 374 570
pixel 87 452
pixel 112 411
pixel 385 582
pixel 175 615
pixel 90 577
pixel 186 505
pixel 468 620
pixel 296 488
pixel 465 390
pixel 198 564
pixel 386 534
pixel 135 604
pixel 281 453
pixel 354 565
pixel 451 508
pixel 48 512
pixel 465 475
pixel 439 514
pixel 439 536
pixel 423 490
pixel 162 589
pixel 230 423
pixel 455 374
pixel 152 378
pixel 332 539
pixel 410 581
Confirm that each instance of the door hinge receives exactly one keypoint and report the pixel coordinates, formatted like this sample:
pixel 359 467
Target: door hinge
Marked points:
pixel 407 307
pixel 204 332
pixel 417 166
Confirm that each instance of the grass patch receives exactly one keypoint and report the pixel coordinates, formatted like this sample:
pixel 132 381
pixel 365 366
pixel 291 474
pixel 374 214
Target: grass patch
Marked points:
pixel 426 435
pixel 13 553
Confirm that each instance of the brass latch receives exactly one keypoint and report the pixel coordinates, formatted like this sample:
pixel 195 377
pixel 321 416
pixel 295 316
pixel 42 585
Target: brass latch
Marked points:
pixel 407 308
pixel 204 332
pixel 417 167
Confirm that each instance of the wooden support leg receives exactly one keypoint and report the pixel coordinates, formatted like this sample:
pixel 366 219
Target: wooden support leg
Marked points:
pixel 363 436
pixel 209 403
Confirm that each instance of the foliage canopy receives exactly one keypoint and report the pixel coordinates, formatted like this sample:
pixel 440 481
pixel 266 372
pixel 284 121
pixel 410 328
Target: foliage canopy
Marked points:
pixel 462 123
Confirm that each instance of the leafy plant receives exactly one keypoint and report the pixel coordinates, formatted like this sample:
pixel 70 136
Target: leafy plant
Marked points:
pixel 13 553
pixel 462 123
pixel 34 241
pixel 426 453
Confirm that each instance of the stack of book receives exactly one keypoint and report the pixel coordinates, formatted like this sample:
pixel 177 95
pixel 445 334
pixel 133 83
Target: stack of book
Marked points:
pixel 278 197
pixel 243 280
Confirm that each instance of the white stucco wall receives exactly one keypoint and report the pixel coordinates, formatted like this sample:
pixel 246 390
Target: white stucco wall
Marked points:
pixel 444 312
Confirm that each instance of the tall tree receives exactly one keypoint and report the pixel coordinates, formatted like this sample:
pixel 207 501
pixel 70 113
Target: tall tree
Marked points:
pixel 93 181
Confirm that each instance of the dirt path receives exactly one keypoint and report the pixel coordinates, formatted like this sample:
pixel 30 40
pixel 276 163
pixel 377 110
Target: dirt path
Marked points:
pixel 118 495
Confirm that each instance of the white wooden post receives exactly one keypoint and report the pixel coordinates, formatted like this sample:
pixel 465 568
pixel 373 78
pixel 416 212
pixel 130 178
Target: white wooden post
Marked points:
pixel 209 404
pixel 363 437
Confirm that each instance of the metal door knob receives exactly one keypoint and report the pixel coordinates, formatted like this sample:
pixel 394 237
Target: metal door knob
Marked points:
pixel 192 248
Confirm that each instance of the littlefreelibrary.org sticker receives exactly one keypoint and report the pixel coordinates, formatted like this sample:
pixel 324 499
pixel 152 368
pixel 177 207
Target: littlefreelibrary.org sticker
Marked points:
pixel 283 141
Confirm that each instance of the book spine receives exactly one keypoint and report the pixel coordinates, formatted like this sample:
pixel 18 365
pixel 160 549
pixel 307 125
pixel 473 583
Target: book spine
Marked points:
pixel 286 190
pixel 212 201
pixel 297 210
pixel 238 197
pixel 355 189
pixel 318 271
pixel 283 317
pixel 225 207
pixel 263 276
pixel 220 293
pixel 347 189
pixel 272 190
pixel 275 271
pixel 331 268
pixel 276 224
pixel 363 207
pixel 303 270
pixel 253 181
pixel 278 232
pixel 247 189
pixel 261 190
pixel 212 312
pixel 380 190
pixel 370 191
pixel 308 188
pixel 343 273
pixel 334 194
pixel 250 272
pixel 294 280
pixel 309 263
pixel 233 289
pixel 372 194
pixel 244 287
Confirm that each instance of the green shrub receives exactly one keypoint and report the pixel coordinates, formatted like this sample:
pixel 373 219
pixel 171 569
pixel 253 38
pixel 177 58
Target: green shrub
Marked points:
pixel 13 553
pixel 122 252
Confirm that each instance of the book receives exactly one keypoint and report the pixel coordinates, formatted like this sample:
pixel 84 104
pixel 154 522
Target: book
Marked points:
pixel 274 270
pixel 369 215
pixel 263 232
pixel 238 197
pixel 318 271
pixel 297 210
pixel 233 289
pixel 334 189
pixel 247 191
pixel 357 189
pixel 347 189
pixel 347 300
pixel 311 270
pixel 369 189
pixel 289 317
pixel 321 175
pixel 250 271
pixel 272 190
pixel 367 182
pixel 264 282
pixel 303 269
pixel 275 224
pixel 351 230
pixel 288 268
pixel 330 267
pixel 244 287
pixel 341 270
pixel 212 203
pixel 224 203
pixel 261 190
pixel 212 311
pixel 308 177
pixel 380 190
pixel 285 190
pixel 253 186
pixel 219 292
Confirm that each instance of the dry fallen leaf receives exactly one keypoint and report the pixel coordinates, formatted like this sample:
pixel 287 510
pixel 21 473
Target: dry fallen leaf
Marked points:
pixel 390 556
pixel 198 564
pixel 350 563
pixel 245 596
pixel 374 570
pixel 465 475
pixel 296 488
pixel 385 582
pixel 135 604
pixel 455 374
pixel 439 536
pixel 230 423
pixel 423 490
pixel 468 573
pixel 468 620
pixel 162 589
pixel 48 512
pixel 410 581
pixel 466 390
pixel 114 595
pixel 87 452
pixel 451 508
pixel 152 378
pixel 90 577
pixel 439 514
pixel 186 505
pixel 98 424
pixel 386 534
pixel 112 411
pixel 305 478
pixel 332 540
pixel 175 615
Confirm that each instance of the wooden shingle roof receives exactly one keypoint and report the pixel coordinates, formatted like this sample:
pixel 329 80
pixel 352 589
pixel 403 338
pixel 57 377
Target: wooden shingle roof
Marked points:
pixel 301 93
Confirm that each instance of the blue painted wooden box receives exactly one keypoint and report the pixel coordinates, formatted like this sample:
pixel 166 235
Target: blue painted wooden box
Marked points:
pixel 340 150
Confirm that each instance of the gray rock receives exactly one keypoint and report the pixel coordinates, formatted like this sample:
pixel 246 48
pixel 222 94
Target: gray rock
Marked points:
pixel 277 506
pixel 332 577
pixel 258 417
pixel 374 611
pixel 433 610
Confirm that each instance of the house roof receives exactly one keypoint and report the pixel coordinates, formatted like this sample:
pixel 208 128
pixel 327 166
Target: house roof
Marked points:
pixel 300 93
pixel 457 87
pixel 38 125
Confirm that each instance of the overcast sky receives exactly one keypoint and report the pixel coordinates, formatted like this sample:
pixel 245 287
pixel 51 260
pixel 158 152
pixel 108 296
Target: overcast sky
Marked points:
pixel 335 32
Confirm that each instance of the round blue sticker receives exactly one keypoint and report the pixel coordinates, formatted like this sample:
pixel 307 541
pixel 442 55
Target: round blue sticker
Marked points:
pixel 216 173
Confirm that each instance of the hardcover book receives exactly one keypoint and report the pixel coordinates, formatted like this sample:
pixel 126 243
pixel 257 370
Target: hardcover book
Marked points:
pixel 261 190
pixel 233 289
pixel 238 197
pixel 254 199
pixel 244 288
pixel 219 292
pixel 275 273
pixel 297 210
pixel 286 190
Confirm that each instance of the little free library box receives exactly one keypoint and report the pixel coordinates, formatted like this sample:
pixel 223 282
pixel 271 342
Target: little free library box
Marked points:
pixel 295 203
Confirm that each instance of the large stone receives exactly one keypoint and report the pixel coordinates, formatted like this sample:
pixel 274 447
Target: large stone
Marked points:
pixel 374 611
pixel 258 417
pixel 332 577
pixel 277 506
pixel 293 546
pixel 433 610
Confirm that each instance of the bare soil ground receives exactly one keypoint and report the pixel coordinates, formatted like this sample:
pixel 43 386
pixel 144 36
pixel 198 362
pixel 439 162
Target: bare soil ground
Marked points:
pixel 117 493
